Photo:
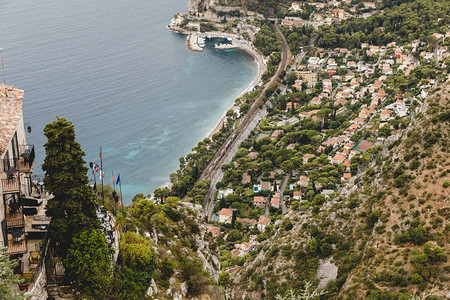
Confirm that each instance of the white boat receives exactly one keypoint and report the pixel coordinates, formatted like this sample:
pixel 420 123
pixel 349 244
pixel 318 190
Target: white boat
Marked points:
pixel 201 42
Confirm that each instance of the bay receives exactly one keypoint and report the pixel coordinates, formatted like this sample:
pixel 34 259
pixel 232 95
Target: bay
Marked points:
pixel 128 84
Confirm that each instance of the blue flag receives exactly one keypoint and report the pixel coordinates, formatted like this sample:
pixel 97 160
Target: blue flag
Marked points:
pixel 118 178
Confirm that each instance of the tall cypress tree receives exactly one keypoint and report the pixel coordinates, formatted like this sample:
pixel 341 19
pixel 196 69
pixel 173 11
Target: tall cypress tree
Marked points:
pixel 72 208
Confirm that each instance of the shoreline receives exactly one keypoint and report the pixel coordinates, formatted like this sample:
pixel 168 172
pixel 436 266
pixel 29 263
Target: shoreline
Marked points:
pixel 242 45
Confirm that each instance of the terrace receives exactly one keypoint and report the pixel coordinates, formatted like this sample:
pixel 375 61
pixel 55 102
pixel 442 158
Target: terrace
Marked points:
pixel 10 182
pixel 26 160
pixel 24 163
pixel 14 215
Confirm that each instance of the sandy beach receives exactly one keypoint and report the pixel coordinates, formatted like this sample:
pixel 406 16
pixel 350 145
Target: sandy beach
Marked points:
pixel 191 43
pixel 241 44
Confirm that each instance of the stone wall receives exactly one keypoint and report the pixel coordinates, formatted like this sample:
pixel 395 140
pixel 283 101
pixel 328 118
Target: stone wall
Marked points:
pixel 38 291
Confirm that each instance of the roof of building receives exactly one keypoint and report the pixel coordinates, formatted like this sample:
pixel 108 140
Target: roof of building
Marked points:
pixel 11 100
pixel 246 220
pixel 215 231
pixel 275 200
pixel 265 185
pixel 305 178
pixel 235 252
pixel 264 221
pixel 225 211
pixel 339 157
pixel 298 193
pixel 258 199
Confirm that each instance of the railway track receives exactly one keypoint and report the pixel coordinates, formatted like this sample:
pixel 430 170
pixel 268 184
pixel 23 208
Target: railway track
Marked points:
pixel 216 160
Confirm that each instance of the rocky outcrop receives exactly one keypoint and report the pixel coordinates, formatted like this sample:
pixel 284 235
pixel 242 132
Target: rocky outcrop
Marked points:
pixel 199 6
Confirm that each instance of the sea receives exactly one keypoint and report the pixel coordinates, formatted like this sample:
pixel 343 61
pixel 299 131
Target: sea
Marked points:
pixel 129 85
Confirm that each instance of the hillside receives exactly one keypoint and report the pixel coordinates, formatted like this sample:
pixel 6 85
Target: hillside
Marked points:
pixel 185 260
pixel 384 237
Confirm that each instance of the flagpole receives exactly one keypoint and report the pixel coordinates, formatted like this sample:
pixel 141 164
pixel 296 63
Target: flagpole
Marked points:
pixel 114 193
pixel 95 183
pixel 120 186
pixel 101 170
pixel 113 181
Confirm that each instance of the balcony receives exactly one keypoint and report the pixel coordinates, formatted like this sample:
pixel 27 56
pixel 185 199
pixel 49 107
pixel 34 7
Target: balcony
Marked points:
pixel 9 166
pixel 26 159
pixel 14 215
pixel 10 182
pixel 23 164
pixel 16 244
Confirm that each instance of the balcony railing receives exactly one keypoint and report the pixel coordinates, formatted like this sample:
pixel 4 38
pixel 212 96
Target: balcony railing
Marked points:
pixel 24 163
pixel 14 216
pixel 10 184
pixel 26 159
pixel 9 166
pixel 16 245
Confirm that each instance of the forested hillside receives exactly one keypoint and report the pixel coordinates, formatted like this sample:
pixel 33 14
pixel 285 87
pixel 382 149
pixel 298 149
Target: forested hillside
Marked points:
pixel 403 23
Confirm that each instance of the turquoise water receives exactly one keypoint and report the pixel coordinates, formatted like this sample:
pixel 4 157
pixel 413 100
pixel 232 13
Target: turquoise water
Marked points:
pixel 127 83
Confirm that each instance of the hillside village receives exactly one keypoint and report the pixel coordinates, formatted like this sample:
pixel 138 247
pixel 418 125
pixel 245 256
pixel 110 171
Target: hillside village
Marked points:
pixel 334 111
pixel 341 186
pixel 346 104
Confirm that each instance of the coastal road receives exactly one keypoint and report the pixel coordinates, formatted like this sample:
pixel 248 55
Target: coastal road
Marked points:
pixel 229 147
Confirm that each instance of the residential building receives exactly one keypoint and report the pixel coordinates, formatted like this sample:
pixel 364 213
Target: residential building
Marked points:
pixel 225 215
pixel 262 223
pixel 246 221
pixel 223 193
pixel 338 159
pixel 259 201
pixel 306 157
pixel 214 230
pixel 275 202
pixel 17 163
pixel 309 77
pixel 297 195
pixel 291 23
pixel 303 181
pixel 385 114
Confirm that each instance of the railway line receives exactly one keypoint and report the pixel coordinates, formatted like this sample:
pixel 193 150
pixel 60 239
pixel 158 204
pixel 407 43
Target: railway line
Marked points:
pixel 216 160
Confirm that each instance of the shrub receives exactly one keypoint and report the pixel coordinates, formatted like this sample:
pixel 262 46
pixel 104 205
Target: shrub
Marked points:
pixel 416 234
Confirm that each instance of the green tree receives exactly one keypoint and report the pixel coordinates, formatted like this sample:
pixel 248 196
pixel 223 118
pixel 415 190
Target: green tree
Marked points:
pixel 136 267
pixel 234 236
pixel 224 279
pixel 87 264
pixel 8 281
pixel 73 206
pixel 291 77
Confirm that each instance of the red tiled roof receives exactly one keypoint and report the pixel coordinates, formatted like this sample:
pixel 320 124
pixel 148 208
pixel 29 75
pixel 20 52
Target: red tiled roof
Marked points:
pixel 264 221
pixel 258 199
pixel 11 100
pixel 215 231
pixel 225 211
